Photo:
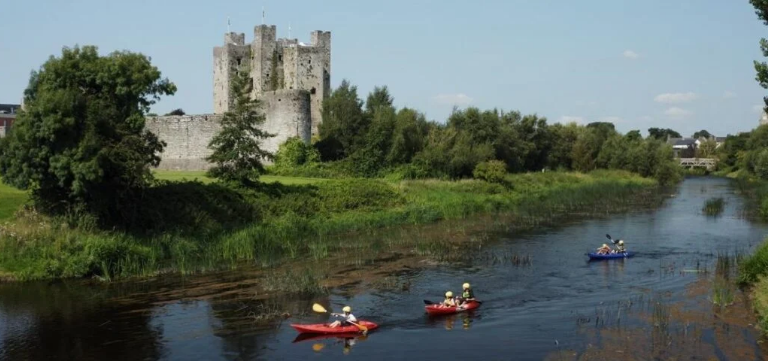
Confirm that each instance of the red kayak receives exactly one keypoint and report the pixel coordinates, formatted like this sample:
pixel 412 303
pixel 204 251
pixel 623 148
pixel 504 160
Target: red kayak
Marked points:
pixel 323 328
pixel 437 309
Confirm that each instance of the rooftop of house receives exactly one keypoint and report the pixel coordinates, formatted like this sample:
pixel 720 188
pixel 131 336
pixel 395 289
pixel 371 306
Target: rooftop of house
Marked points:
pixel 683 141
pixel 9 108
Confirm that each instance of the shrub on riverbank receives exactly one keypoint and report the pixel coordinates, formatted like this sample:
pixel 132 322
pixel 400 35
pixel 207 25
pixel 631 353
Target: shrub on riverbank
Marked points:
pixel 195 227
pixel 754 266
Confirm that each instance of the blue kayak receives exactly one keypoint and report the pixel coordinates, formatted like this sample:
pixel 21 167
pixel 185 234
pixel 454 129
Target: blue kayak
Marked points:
pixel 610 255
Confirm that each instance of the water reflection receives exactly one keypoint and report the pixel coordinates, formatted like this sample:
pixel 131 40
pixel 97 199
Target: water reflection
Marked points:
pixel 448 322
pixel 347 341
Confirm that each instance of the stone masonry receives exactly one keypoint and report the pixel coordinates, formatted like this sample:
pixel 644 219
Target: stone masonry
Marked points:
pixel 291 79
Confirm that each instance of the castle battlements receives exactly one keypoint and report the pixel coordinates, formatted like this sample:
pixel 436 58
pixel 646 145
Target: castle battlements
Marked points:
pixel 276 64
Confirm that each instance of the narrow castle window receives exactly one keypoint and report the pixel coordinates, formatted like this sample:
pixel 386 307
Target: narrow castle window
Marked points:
pixel 280 57
pixel 312 91
pixel 309 61
pixel 238 60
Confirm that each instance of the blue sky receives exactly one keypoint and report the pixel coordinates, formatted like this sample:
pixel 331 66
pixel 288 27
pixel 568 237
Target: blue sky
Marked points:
pixel 683 64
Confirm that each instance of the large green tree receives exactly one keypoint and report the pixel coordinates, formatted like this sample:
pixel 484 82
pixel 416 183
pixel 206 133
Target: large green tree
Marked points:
pixel 344 125
pixel 81 141
pixel 761 71
pixel 237 154
pixel 702 133
pixel 663 133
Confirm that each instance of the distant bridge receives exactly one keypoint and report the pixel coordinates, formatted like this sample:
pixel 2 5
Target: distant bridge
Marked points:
pixel 709 163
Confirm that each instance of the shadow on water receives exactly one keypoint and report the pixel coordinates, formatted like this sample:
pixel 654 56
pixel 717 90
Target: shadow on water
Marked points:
pixel 542 299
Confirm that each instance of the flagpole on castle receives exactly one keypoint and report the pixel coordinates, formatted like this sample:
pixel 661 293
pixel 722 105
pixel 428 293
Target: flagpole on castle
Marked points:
pixel 262 15
pixel 228 24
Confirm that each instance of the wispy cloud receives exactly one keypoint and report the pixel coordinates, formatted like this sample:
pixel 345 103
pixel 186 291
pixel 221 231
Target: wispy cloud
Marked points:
pixel 678 113
pixel 729 95
pixel 673 98
pixel 758 108
pixel 566 119
pixel 630 54
pixel 459 99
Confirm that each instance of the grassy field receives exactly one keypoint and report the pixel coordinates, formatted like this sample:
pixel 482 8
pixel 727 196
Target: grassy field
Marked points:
pixel 10 201
pixel 11 198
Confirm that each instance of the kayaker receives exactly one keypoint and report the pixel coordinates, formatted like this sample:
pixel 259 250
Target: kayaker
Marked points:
pixel 621 246
pixel 349 318
pixel 605 249
pixel 467 294
pixel 449 301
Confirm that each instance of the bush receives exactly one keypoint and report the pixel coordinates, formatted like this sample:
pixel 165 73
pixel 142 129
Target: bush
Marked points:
pixel 492 171
pixel 754 266
pixel 294 152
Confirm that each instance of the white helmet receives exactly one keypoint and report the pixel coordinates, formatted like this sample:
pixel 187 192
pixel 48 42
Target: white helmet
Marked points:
pixel 347 309
pixel 621 242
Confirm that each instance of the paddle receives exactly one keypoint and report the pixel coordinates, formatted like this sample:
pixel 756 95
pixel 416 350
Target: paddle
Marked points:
pixel 611 239
pixel 318 308
pixel 428 302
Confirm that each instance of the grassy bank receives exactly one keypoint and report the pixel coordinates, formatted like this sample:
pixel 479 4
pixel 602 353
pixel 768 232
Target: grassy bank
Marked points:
pixel 192 226
pixel 753 273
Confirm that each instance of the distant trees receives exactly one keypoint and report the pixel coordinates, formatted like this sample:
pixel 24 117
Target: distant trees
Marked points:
pixel 176 112
pixel 81 144
pixel 663 133
pixel 374 138
pixel 701 134
pixel 745 152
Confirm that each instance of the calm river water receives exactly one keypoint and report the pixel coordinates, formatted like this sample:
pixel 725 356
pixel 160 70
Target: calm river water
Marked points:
pixel 560 307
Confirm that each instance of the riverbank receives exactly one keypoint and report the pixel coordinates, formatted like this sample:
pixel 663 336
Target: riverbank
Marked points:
pixel 192 227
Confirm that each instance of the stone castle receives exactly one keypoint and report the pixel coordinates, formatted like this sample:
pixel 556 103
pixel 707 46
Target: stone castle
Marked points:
pixel 290 78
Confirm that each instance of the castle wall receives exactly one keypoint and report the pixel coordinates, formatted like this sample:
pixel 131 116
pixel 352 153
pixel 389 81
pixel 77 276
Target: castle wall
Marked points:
pixel 186 137
pixel 288 115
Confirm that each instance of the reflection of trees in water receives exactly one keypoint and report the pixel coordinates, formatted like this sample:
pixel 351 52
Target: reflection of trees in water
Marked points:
pixel 247 325
pixel 72 321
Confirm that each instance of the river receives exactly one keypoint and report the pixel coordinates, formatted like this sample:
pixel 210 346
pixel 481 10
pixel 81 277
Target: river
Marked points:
pixel 555 305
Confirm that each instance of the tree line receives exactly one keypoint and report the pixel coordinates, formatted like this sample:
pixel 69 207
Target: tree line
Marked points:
pixel 373 138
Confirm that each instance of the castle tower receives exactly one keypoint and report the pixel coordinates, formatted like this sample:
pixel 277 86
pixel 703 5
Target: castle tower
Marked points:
pixel 227 58
pixel 277 64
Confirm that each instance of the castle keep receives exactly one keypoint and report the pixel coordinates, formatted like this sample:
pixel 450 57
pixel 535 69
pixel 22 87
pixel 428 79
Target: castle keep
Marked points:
pixel 290 78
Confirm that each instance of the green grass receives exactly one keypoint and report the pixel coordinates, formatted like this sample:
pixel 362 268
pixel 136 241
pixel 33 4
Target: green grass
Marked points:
pixel 190 227
pixel 11 200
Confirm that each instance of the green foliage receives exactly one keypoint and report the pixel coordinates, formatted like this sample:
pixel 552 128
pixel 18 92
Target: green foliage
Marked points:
pixel 237 153
pixel 746 153
pixel 713 206
pixel 663 133
pixel 81 142
pixel 706 149
pixel 761 69
pixel 213 226
pixel 176 112
pixel 754 266
pixel 701 134
pixel 343 123
pixel 294 152
pixel 492 171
